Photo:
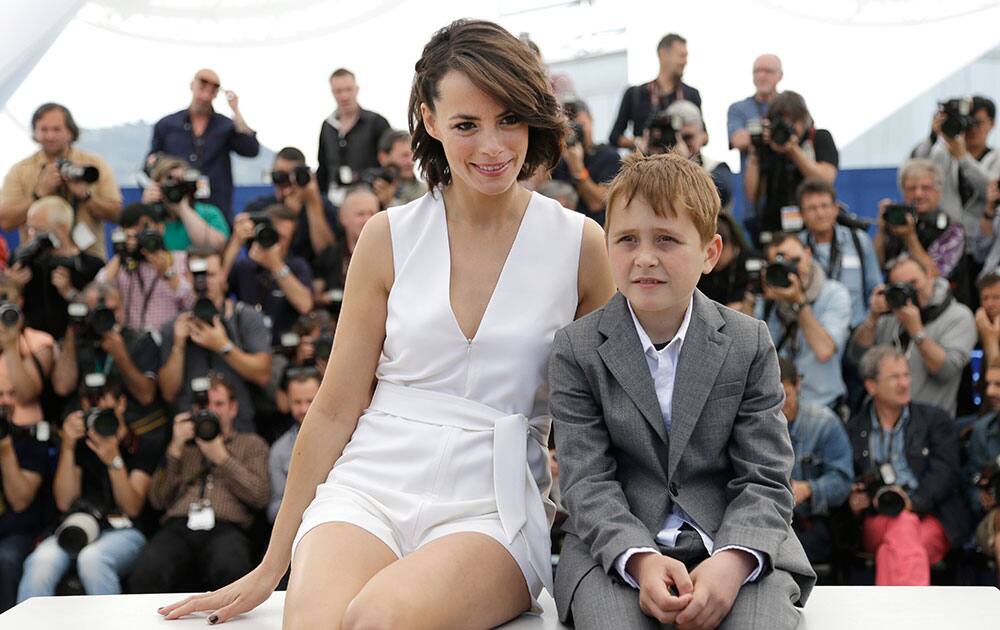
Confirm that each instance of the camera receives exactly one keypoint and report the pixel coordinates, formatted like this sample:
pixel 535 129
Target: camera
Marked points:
pixel 10 314
pixel 575 134
pixel 150 240
pixel 850 220
pixel 897 294
pixel 203 309
pixel 755 273
pixel 878 486
pixel 119 243
pixel 206 423
pixel 776 273
pixel 323 346
pixel 663 130
pixel 6 425
pixel 98 322
pixel 388 174
pixel 81 527
pixel 299 176
pixel 756 130
pixel 264 233
pixel 34 250
pixel 176 190
pixel 988 479
pixel 77 172
pixel 781 132
pixel 896 213
pixel 288 344
pixel 77 312
pixel 958 116
pixel 100 419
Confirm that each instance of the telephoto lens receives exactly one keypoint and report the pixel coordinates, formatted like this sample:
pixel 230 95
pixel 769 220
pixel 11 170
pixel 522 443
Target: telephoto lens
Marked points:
pixel 81 527
pixel 102 420
pixel 78 172
pixel 102 319
pixel 206 425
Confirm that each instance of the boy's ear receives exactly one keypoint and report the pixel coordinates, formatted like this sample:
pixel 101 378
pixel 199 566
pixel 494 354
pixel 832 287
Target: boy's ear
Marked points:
pixel 713 250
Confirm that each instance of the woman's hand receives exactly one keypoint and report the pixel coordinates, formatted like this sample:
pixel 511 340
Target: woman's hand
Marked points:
pixel 241 596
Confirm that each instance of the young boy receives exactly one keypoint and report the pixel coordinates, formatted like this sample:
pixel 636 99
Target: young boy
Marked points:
pixel 674 456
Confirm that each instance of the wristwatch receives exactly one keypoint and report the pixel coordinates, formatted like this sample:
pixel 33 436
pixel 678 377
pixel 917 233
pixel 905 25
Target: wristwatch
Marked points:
pixel 117 463
pixel 282 273
pixel 169 274
pixel 919 337
pixel 227 348
pixel 797 307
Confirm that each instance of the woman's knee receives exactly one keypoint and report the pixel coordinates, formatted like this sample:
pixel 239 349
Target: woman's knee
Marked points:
pixel 378 611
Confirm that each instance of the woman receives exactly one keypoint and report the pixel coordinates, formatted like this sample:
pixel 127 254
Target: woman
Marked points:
pixel 451 302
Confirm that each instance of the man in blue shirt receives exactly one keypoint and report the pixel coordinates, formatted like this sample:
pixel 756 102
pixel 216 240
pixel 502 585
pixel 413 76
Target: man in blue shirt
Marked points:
pixel 823 470
pixel 808 319
pixel 766 75
pixel 205 138
pixel 983 469
pixel 846 254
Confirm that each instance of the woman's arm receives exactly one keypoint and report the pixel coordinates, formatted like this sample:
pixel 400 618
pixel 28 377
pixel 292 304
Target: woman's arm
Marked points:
pixel 594 285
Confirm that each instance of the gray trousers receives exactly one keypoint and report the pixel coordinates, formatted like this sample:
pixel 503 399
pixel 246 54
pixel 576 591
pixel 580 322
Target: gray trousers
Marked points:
pixel 601 602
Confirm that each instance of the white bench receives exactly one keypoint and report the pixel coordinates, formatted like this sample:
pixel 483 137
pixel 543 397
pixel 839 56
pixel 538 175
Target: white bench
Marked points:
pixel 829 608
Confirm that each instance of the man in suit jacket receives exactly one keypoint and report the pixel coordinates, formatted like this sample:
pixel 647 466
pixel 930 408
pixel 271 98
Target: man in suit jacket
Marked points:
pixel 673 452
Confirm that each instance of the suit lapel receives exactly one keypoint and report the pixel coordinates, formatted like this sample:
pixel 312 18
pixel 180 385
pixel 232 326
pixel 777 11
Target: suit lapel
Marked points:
pixel 623 356
pixel 701 358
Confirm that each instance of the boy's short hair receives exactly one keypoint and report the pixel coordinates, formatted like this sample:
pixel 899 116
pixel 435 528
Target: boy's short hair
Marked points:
pixel 667 182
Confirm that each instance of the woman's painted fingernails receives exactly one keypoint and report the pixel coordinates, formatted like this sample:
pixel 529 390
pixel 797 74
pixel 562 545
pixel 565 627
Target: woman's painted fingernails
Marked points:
pixel 213 619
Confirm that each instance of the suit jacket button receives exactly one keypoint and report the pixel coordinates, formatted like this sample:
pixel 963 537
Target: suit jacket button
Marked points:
pixel 673 488
pixel 864 453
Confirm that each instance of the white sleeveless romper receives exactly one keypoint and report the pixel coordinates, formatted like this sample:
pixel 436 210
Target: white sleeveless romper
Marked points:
pixel 446 445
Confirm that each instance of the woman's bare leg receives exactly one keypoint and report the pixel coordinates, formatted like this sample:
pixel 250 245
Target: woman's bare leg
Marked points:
pixel 465 580
pixel 332 563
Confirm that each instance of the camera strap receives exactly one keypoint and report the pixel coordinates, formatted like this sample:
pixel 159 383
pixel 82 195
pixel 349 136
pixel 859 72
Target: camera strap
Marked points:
pixel 927 315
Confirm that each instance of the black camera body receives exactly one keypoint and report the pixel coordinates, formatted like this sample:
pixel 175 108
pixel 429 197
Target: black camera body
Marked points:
pixel 776 273
pixel 756 130
pixel 387 174
pixel 264 233
pixel 288 345
pixel 30 253
pixel 958 116
pixel 176 190
pixel 896 213
pixel 206 425
pixel 885 499
pixel 781 132
pixel 204 309
pixel 299 176
pixel 150 240
pixel 77 172
pixel 663 130
pixel 897 294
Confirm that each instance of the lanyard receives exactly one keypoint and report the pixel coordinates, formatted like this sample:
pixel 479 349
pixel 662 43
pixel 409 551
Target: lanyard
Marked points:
pixel 881 436
pixel 833 267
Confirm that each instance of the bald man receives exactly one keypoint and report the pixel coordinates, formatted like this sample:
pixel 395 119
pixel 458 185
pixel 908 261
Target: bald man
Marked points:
pixel 766 75
pixel 205 138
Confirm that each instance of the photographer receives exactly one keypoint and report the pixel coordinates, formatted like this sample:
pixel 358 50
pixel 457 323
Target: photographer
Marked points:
pixel 348 138
pixel 218 335
pixel 27 357
pixel 207 138
pixel 276 283
pixel 24 461
pixel 845 252
pixel 211 485
pixel 186 221
pixel 300 387
pixel 103 473
pixel 588 167
pixel 395 154
pixel 988 317
pixel 822 473
pixel 681 129
pixel 640 102
pixel 360 204
pixel 730 281
pixel 751 111
pixel 957 144
pixel 917 312
pixel 789 150
pixel 151 278
pixel 83 179
pixel 907 465
pixel 295 187
pixel 807 315
pixel 49 268
pixel 103 343
pixel 919 227
pixel 983 469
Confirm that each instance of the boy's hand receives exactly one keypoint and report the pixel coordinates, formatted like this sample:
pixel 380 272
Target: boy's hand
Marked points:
pixel 656 574
pixel 717 582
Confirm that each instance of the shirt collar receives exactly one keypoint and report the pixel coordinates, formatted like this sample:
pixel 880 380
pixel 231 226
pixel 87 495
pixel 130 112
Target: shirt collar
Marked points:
pixel 877 426
pixel 677 341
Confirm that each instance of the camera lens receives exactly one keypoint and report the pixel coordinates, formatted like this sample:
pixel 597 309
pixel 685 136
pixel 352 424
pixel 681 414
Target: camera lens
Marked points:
pixel 265 235
pixel 206 425
pixel 10 314
pixel 103 421
pixel 205 310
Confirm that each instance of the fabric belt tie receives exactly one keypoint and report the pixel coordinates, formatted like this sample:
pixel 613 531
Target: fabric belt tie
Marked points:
pixel 517 444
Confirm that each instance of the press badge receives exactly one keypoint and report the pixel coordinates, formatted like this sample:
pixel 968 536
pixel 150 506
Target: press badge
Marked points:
pixel 201 516
pixel 851 262
pixel 346 176
pixel 888 474
pixel 119 521
pixel 203 189
pixel 791 219
pixel 83 236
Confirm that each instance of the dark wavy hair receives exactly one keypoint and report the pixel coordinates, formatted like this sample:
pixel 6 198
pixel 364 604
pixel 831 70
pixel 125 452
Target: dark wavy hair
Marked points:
pixel 45 108
pixel 502 66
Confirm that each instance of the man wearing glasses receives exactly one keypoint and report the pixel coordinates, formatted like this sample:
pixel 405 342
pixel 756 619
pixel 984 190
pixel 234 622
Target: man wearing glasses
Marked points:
pixel 205 138
pixel 957 144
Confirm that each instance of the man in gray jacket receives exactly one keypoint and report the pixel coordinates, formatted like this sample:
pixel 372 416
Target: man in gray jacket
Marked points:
pixel 919 315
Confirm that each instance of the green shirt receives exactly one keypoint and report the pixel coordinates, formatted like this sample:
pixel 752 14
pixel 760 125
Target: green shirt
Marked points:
pixel 175 235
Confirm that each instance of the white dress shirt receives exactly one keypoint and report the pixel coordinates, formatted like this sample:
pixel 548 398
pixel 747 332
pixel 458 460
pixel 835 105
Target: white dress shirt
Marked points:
pixel 663 368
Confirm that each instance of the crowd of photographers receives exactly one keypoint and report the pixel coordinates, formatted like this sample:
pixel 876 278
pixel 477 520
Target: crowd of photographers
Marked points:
pixel 151 387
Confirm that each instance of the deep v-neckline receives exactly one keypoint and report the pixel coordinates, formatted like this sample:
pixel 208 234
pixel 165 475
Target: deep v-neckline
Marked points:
pixel 500 277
